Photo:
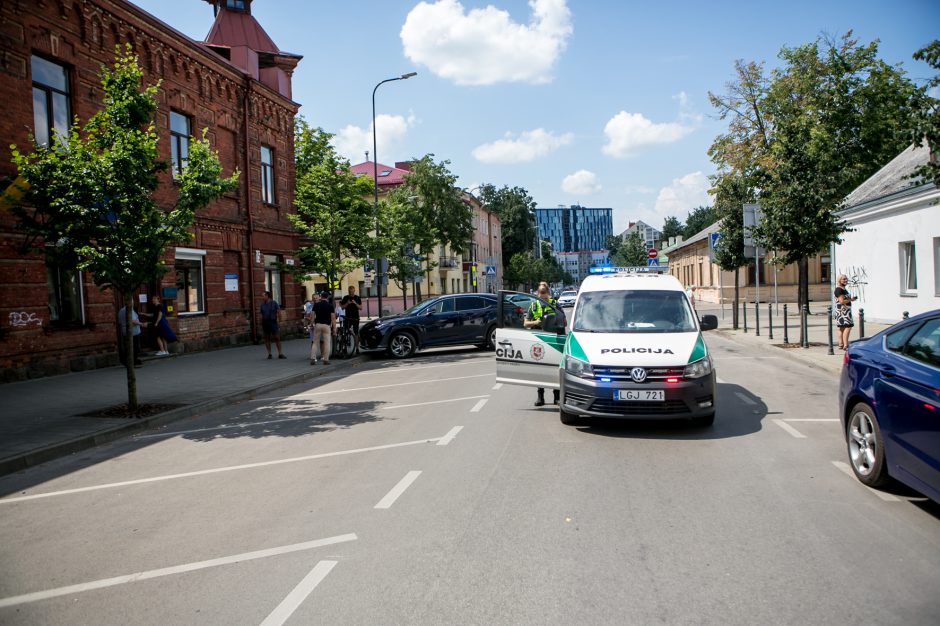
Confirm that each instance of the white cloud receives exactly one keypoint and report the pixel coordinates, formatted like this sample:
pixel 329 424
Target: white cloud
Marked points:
pixel 686 112
pixel 353 141
pixel 581 183
pixel 530 145
pixel 640 189
pixel 682 195
pixel 628 133
pixel 485 46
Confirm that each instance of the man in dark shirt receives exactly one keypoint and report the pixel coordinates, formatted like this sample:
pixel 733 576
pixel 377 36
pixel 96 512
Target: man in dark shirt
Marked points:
pixel 324 325
pixel 269 317
pixel 352 304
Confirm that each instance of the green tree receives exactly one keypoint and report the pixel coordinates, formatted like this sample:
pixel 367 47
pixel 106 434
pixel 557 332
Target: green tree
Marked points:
pixel 839 114
pixel 90 203
pixel 613 244
pixel 515 208
pixel 401 228
pixel 440 215
pixel 926 122
pixel 699 219
pixel 732 191
pixel 521 270
pixel 333 213
pixel 632 253
pixel 672 227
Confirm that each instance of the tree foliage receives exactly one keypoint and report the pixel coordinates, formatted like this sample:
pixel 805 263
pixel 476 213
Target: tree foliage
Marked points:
pixel 515 208
pixel 632 253
pixel 527 271
pixel 333 212
pixel 926 121
pixel 699 219
pixel 672 227
pixel 89 202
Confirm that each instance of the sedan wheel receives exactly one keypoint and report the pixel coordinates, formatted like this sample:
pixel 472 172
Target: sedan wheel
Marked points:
pixel 401 345
pixel 866 446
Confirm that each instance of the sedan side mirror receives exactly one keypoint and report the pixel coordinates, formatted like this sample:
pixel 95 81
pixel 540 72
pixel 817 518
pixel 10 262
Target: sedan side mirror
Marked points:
pixel 708 322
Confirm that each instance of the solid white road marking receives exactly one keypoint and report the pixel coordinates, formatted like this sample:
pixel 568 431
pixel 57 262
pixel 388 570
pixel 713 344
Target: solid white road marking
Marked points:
pixel 176 569
pixel 446 439
pixel 296 597
pixel 441 441
pixel 479 405
pixel 171 433
pixel 811 419
pixel 844 467
pixel 397 490
pixel 497 386
pixel 307 394
pixel 744 398
pixel 789 429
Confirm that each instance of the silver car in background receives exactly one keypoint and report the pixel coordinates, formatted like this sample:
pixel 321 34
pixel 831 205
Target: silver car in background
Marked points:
pixel 567 298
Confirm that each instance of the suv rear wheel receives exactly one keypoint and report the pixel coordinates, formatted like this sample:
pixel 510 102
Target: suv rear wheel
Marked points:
pixel 866 446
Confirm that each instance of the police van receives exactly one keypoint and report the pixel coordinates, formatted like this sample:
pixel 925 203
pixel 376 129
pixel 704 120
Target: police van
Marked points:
pixel 632 349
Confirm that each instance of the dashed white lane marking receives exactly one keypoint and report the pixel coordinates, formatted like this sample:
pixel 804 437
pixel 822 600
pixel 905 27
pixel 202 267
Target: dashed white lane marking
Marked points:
pixel 446 439
pixel 811 419
pixel 172 433
pixel 441 441
pixel 307 394
pixel 397 490
pixel 497 386
pixel 744 398
pixel 845 469
pixel 479 405
pixel 176 569
pixel 789 429
pixel 296 597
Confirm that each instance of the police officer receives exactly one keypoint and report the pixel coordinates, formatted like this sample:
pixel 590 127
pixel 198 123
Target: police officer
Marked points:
pixel 540 316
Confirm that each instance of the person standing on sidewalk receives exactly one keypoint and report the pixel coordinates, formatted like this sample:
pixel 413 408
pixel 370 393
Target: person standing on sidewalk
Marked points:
pixel 135 331
pixel 352 304
pixel 540 316
pixel 844 319
pixel 270 311
pixel 324 325
pixel 161 326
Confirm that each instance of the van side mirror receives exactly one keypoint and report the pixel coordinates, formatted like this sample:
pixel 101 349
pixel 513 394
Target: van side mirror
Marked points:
pixel 708 322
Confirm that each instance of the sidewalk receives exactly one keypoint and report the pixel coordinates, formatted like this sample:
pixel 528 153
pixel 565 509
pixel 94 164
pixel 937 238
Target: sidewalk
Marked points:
pixel 817 355
pixel 41 418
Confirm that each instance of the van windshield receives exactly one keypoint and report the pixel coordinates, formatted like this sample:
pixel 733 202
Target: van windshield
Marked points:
pixel 634 311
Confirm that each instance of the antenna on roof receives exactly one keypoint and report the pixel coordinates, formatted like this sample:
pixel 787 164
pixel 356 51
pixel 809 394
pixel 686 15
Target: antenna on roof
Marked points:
pixel 367 156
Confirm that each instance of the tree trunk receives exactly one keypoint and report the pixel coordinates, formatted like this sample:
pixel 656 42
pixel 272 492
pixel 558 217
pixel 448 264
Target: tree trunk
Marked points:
pixel 734 315
pixel 129 356
pixel 404 294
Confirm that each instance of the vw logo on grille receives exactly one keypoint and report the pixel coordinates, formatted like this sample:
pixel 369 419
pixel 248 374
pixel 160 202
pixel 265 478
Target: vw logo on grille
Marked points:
pixel 638 374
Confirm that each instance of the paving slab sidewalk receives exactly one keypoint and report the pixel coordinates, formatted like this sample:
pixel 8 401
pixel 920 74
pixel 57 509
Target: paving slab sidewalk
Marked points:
pixel 41 419
pixel 817 355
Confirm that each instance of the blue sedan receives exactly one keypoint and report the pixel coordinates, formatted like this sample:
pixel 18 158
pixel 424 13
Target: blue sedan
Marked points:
pixel 889 396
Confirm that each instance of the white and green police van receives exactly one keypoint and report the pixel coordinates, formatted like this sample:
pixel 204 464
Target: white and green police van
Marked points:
pixel 633 349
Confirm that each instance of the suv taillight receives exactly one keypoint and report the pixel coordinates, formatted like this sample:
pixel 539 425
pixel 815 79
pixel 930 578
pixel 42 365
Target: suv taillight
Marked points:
pixel 845 358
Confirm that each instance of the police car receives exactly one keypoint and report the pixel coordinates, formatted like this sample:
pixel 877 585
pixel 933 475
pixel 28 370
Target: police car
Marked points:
pixel 633 349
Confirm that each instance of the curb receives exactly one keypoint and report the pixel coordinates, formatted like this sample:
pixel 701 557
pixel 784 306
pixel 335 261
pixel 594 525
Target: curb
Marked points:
pixel 729 333
pixel 60 449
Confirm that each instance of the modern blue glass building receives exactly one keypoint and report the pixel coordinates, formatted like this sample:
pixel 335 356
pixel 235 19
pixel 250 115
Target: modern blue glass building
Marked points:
pixel 574 228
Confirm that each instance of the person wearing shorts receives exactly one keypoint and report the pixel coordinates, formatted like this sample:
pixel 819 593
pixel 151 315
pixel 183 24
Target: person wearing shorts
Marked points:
pixel 269 317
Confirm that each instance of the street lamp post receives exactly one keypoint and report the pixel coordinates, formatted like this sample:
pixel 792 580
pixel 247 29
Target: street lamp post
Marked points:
pixel 375 183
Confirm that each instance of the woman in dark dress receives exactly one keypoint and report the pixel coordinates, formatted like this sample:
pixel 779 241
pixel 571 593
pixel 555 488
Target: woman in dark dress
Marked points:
pixel 844 311
pixel 165 334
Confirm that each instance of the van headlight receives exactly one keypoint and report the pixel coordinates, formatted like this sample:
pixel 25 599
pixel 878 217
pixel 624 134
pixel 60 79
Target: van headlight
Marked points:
pixel 702 367
pixel 577 367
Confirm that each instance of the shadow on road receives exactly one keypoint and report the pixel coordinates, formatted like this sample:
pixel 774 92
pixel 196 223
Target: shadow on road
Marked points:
pixel 739 413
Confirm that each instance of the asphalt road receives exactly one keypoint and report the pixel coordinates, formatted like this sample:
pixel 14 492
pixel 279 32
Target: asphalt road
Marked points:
pixel 421 492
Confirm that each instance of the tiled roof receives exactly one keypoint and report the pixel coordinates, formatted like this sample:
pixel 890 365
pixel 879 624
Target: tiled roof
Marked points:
pixel 702 234
pixel 234 29
pixel 892 178
pixel 388 175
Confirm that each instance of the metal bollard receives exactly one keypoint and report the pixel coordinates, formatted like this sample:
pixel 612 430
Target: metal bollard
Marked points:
pixel 804 321
pixel 744 310
pixel 829 312
pixel 786 334
pixel 770 321
pixel 756 319
pixel 861 323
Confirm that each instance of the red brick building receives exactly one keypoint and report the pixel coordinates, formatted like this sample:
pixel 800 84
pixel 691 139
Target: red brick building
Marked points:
pixel 237 84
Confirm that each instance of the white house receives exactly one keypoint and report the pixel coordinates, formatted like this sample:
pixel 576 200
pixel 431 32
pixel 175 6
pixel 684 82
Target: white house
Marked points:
pixel 892 254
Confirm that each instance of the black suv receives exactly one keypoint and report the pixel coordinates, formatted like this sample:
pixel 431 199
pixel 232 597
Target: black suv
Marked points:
pixel 451 320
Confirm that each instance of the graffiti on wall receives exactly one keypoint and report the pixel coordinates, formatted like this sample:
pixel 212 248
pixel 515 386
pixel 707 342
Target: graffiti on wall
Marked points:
pixel 22 319
pixel 858 279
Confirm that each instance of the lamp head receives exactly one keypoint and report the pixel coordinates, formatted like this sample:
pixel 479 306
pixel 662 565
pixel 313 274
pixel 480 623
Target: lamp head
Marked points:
pixel 407 76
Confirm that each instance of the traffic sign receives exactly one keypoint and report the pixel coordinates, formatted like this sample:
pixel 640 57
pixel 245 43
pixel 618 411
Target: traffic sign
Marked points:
pixel 652 253
pixel 652 262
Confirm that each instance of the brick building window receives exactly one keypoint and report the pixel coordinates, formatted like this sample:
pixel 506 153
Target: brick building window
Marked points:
pixel 65 295
pixel 180 132
pixel 267 175
pixel 190 286
pixel 272 277
pixel 50 100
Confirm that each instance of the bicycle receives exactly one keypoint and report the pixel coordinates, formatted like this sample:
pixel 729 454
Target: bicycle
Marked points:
pixel 345 342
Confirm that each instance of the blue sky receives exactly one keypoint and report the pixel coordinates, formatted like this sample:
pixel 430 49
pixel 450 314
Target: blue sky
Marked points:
pixel 601 103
